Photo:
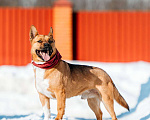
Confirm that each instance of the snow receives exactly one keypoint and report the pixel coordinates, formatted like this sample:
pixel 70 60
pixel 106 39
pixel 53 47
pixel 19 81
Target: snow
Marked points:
pixel 19 99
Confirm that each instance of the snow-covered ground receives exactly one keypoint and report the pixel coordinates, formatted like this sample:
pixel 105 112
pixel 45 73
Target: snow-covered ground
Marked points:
pixel 19 99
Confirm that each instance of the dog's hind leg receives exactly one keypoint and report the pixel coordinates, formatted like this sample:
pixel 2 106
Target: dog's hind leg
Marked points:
pixel 94 104
pixel 46 106
pixel 108 100
pixel 109 105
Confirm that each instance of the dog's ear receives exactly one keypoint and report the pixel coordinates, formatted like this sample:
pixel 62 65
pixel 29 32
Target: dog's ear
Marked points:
pixel 33 32
pixel 51 33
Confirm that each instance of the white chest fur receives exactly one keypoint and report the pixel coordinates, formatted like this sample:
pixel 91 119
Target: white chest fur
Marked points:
pixel 41 83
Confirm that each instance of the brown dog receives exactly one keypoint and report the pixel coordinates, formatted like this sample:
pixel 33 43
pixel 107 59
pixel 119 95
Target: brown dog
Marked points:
pixel 58 79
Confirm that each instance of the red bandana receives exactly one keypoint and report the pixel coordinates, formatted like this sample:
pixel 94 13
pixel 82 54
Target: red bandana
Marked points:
pixel 50 63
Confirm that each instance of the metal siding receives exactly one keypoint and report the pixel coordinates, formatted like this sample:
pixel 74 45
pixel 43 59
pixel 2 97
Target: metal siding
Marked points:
pixel 113 36
pixel 14 32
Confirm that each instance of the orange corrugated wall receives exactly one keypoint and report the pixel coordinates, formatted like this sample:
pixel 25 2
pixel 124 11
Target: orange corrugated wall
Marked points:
pixel 113 36
pixel 14 32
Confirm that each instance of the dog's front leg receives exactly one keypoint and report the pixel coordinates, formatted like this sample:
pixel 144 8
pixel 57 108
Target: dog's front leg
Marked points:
pixel 61 99
pixel 46 106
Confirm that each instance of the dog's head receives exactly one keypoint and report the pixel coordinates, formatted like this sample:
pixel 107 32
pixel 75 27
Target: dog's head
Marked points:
pixel 42 46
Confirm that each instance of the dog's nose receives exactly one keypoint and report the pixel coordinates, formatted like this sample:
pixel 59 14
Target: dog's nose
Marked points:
pixel 46 45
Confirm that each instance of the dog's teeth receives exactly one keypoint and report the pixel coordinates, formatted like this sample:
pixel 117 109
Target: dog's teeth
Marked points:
pixel 40 52
pixel 48 52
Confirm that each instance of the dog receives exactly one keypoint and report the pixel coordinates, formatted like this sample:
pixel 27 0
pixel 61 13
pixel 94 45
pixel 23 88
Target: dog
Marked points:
pixel 57 79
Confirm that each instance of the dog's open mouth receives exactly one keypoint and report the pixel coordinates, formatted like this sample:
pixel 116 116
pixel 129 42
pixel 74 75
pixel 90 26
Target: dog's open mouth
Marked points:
pixel 44 54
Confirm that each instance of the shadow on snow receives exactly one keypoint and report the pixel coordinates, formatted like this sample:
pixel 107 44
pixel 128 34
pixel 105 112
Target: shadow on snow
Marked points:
pixel 13 116
pixel 144 93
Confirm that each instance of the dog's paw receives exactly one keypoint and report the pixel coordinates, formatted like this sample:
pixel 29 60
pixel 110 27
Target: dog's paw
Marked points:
pixel 57 118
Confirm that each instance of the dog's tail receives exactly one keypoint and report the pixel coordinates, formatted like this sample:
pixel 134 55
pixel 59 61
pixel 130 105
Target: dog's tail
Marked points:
pixel 119 98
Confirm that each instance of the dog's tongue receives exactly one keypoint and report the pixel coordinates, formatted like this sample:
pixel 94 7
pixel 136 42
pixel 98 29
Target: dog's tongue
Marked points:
pixel 45 56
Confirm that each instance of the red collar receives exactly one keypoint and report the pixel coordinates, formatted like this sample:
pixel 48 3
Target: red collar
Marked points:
pixel 51 63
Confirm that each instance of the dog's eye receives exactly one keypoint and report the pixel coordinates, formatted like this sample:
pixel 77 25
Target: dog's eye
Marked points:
pixel 50 41
pixel 40 41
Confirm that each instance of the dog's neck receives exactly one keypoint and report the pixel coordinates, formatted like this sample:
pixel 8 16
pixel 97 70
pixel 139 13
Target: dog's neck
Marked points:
pixel 50 63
